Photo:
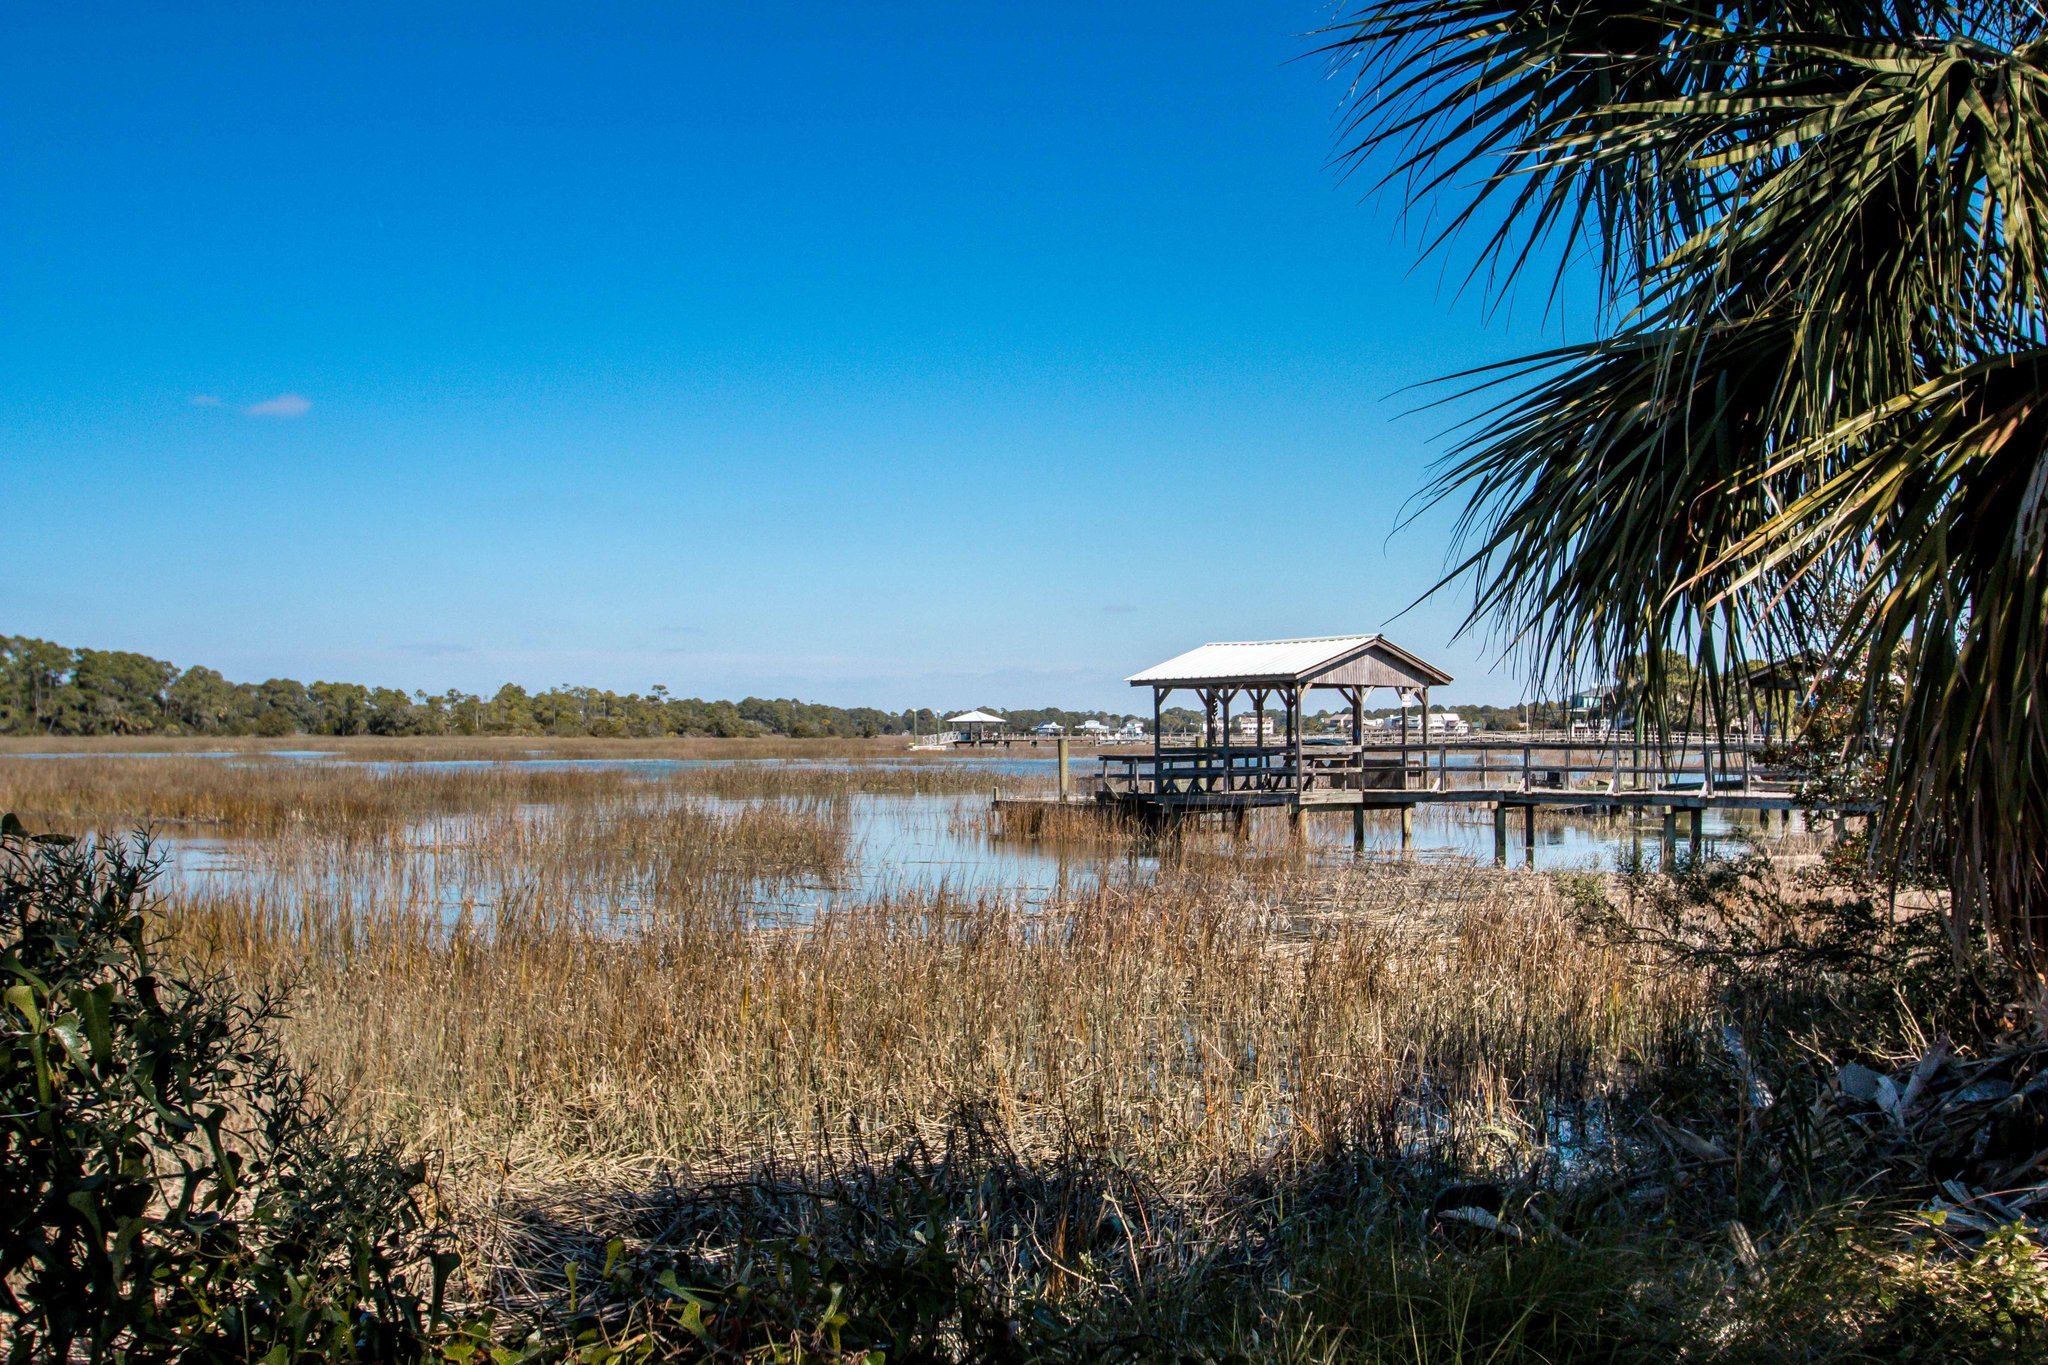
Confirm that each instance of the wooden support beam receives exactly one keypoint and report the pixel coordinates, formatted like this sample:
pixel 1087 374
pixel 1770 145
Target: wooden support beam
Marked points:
pixel 1407 826
pixel 1696 834
pixel 1670 849
pixel 1529 832
pixel 1226 738
pixel 1500 834
pixel 1358 829
pixel 1158 709
pixel 1294 696
pixel 1404 742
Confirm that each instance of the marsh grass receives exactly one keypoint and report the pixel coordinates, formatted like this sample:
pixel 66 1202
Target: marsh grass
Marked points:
pixel 1208 1112
pixel 264 795
pixel 1196 1022
pixel 753 780
pixel 269 797
pixel 470 748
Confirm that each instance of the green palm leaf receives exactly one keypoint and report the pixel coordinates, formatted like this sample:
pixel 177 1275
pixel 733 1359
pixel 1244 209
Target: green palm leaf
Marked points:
pixel 1823 362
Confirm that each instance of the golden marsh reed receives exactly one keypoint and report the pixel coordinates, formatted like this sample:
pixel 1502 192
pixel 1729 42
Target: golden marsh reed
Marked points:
pixel 544 972
pixel 263 796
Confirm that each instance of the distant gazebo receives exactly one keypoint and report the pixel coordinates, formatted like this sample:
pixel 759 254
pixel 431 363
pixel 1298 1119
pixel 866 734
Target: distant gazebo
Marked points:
pixel 979 727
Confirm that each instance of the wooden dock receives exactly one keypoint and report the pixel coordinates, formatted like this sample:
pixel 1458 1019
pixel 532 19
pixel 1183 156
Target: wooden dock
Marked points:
pixel 1680 782
pixel 1217 771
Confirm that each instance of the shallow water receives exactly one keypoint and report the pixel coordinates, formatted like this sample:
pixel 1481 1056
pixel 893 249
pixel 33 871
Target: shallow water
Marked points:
pixel 927 844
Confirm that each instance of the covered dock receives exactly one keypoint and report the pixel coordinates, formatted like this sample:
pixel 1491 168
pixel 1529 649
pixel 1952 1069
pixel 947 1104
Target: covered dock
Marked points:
pixel 979 727
pixel 1360 769
pixel 1224 769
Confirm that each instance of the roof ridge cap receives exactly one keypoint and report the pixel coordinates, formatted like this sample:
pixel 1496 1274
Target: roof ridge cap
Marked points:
pixel 1293 640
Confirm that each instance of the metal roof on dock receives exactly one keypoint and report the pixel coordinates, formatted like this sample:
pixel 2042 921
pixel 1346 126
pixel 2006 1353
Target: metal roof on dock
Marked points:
pixel 1290 662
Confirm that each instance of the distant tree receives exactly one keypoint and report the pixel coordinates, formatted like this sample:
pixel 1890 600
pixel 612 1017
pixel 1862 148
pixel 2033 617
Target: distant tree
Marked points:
pixel 510 712
pixel 340 708
pixel 50 689
pixel 35 677
pixel 202 701
pixel 115 692
pixel 282 706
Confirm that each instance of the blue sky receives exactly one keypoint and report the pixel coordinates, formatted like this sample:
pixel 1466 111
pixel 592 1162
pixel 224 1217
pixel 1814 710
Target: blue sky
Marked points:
pixel 891 354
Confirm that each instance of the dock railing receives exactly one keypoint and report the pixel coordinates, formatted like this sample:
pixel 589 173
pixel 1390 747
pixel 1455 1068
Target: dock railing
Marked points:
pixel 1700 765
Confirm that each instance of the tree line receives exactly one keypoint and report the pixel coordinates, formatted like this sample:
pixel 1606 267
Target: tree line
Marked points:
pixel 52 689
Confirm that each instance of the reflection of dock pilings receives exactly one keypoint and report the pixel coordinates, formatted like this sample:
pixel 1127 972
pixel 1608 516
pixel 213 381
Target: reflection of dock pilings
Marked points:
pixel 1679 816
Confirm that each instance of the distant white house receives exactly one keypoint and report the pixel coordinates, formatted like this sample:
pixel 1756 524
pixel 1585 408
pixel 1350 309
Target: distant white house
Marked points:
pixel 1258 727
pixel 1091 726
pixel 1448 723
pixel 1051 727
pixel 1133 729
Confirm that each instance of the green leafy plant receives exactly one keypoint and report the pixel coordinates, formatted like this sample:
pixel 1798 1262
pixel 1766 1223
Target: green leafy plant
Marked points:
pixel 173 1188
pixel 1819 367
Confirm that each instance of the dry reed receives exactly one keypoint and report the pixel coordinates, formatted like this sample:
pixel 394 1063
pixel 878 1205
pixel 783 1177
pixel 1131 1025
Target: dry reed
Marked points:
pixel 548 971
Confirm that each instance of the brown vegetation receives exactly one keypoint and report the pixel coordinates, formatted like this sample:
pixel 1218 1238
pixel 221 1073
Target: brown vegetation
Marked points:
pixel 562 985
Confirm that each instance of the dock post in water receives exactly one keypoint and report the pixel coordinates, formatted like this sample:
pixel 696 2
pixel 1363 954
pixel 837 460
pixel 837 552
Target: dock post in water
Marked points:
pixel 1062 743
pixel 1529 834
pixel 1670 837
pixel 1500 834
pixel 1697 834
pixel 1358 829
pixel 1407 826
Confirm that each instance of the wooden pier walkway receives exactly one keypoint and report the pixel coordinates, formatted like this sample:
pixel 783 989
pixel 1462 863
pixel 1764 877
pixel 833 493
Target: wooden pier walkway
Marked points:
pixel 1217 771
pixel 1680 781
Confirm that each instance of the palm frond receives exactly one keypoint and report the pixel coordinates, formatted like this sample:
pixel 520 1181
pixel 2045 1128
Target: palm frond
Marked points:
pixel 1822 232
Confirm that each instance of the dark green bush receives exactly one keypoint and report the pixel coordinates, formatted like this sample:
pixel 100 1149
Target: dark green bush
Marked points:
pixel 169 1188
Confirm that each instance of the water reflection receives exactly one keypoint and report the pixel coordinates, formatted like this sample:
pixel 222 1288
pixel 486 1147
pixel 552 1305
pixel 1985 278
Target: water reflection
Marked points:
pixel 900 844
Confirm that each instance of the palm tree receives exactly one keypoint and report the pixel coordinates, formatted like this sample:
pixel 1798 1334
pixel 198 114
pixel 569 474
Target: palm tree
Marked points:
pixel 1818 228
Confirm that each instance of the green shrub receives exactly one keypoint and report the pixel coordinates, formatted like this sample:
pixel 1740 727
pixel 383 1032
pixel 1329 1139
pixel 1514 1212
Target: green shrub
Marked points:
pixel 172 1189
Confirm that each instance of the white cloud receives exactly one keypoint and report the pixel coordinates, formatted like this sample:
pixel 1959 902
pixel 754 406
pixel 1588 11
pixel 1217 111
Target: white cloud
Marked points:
pixel 205 400
pixel 284 405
